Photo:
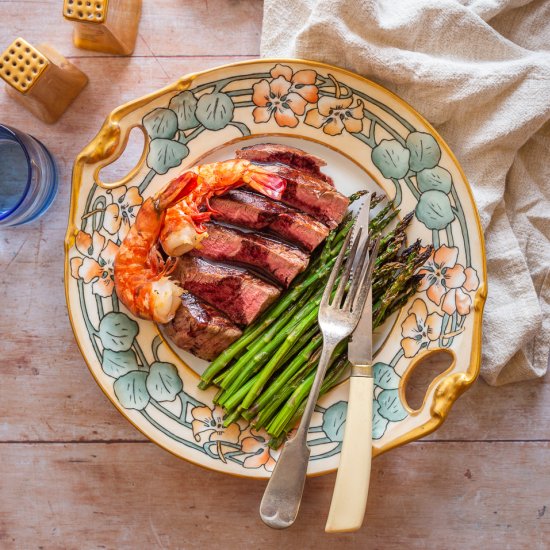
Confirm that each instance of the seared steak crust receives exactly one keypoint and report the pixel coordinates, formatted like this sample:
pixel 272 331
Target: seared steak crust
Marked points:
pixel 283 154
pixel 201 329
pixel 311 195
pixel 255 211
pixel 277 259
pixel 233 290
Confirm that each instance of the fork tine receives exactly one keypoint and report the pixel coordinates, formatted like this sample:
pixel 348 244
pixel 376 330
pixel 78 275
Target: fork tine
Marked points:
pixel 356 279
pixel 347 270
pixel 366 279
pixel 335 270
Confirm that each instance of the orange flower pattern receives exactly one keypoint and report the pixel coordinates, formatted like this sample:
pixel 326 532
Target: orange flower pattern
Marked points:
pixel 121 213
pixel 285 96
pixel 335 115
pixel 207 425
pixel 447 283
pixel 260 454
pixel 419 328
pixel 96 266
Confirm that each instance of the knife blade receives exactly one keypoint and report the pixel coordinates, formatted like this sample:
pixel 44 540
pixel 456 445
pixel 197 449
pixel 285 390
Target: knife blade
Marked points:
pixel 360 343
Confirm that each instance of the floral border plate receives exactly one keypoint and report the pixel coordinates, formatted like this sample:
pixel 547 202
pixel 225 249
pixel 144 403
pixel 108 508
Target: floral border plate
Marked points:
pixel 348 116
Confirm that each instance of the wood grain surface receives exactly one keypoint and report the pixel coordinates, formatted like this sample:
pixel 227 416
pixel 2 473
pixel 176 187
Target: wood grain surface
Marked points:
pixel 75 474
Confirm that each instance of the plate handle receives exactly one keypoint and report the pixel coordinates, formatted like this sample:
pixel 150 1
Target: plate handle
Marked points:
pixel 110 142
pixel 395 422
pixel 109 145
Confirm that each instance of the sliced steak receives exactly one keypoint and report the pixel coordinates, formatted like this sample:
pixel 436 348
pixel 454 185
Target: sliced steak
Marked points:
pixel 233 290
pixel 311 195
pixel 296 158
pixel 279 260
pixel 201 329
pixel 255 211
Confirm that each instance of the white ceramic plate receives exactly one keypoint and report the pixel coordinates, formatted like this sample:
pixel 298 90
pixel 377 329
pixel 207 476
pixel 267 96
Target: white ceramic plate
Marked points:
pixel 369 138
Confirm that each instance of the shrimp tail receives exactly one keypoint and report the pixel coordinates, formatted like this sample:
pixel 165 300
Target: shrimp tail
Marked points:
pixel 177 189
pixel 265 182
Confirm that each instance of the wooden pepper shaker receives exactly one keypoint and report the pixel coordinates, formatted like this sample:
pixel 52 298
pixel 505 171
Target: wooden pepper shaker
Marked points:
pixel 109 26
pixel 40 79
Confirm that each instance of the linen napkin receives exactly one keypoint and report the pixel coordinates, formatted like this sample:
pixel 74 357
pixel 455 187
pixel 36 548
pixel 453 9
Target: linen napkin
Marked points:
pixel 479 70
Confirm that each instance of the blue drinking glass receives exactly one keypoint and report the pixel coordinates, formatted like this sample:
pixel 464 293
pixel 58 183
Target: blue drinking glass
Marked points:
pixel 28 177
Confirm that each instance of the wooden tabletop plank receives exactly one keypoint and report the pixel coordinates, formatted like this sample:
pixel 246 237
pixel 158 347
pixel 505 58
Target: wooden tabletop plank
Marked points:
pixel 425 495
pixel 167 27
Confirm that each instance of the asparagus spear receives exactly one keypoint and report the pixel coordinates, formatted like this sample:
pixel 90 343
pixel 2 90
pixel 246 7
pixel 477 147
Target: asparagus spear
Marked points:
pixel 274 362
pixel 294 366
pixel 258 355
pixel 278 424
pixel 271 407
pixel 332 379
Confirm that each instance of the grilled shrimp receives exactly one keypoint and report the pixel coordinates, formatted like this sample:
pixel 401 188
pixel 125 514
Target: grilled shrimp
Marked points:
pixel 141 275
pixel 174 214
pixel 183 227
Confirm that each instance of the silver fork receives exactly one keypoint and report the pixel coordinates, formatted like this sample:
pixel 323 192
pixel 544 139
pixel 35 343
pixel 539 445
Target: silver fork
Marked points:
pixel 337 320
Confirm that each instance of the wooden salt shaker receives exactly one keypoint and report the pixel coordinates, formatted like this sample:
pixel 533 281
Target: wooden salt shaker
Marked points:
pixel 109 26
pixel 40 79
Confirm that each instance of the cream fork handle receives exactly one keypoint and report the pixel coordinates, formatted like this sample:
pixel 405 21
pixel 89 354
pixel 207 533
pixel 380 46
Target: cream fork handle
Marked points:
pixel 349 499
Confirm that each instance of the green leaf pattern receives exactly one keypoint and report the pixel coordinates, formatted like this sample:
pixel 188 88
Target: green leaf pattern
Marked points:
pixel 117 331
pixel 425 152
pixel 161 123
pixel 437 179
pixel 434 210
pixel 185 107
pixel 379 423
pixel 131 391
pixel 163 382
pixel 117 363
pixel 165 154
pixel 334 421
pixel 391 407
pixel 391 158
pixel 215 111
pixel 385 376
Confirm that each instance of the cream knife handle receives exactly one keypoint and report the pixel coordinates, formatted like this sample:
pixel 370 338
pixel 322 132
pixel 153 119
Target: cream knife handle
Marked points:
pixel 349 499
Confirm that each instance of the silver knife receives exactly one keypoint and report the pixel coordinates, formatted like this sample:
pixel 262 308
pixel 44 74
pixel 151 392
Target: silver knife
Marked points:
pixel 349 499
pixel 360 344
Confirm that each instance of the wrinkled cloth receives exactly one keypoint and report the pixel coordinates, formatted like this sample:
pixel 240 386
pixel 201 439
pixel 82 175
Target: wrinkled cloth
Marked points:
pixel 479 71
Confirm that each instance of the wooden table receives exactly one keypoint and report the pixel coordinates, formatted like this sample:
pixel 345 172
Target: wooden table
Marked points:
pixel 75 474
